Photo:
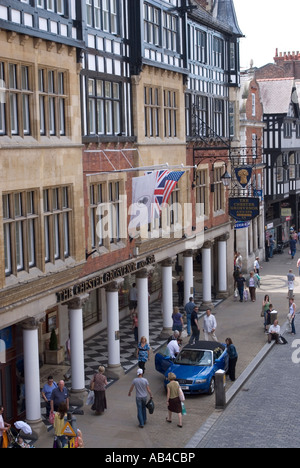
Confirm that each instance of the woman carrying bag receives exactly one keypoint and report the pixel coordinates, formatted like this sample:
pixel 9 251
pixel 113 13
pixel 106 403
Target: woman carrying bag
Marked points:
pixel 174 399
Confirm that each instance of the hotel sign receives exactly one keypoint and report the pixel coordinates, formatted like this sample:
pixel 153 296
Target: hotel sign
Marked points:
pixel 244 209
pixel 97 281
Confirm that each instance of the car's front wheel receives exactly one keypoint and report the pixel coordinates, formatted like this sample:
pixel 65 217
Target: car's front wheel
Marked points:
pixel 211 389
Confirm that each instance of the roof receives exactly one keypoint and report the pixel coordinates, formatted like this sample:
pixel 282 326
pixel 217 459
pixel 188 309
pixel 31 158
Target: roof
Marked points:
pixel 276 95
pixel 206 345
pixel 224 11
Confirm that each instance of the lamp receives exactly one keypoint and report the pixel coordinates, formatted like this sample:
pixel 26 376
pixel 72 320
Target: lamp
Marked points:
pixel 226 178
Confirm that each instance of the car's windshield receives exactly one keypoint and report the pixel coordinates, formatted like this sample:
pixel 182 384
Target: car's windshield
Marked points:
pixel 192 357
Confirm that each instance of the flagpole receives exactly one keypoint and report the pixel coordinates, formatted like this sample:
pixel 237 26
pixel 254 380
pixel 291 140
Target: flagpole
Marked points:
pixel 145 168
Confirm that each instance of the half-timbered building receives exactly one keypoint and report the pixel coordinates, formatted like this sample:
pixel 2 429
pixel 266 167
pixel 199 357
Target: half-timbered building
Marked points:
pixel 282 153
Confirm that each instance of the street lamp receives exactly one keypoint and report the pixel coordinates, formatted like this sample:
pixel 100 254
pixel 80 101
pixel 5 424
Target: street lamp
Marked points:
pixel 226 178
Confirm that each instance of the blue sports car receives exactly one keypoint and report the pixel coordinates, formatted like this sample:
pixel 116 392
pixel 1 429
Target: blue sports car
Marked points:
pixel 195 366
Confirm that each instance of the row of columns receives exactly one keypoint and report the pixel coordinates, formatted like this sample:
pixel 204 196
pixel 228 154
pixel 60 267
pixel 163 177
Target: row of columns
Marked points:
pixel 30 328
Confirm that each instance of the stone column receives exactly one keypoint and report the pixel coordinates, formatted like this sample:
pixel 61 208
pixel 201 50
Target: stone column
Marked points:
pixel 206 276
pixel 167 296
pixel 32 376
pixel 115 369
pixel 143 303
pixel 188 268
pixel 77 345
pixel 222 267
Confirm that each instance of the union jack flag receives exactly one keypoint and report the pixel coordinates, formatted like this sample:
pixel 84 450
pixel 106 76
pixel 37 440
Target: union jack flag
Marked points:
pixel 166 181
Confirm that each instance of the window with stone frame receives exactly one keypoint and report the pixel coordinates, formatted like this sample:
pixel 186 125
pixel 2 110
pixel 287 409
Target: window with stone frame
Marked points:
pixel 15 98
pixel 106 216
pixel 52 102
pixel 57 215
pixel 202 195
pixel 20 224
pixel 218 189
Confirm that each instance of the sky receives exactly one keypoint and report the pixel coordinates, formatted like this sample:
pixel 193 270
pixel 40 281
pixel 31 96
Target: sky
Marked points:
pixel 268 25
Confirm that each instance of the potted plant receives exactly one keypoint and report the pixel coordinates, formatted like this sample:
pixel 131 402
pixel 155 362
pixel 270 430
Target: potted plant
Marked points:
pixel 55 354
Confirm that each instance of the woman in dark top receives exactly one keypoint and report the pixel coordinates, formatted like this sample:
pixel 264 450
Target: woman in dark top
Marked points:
pixel 233 357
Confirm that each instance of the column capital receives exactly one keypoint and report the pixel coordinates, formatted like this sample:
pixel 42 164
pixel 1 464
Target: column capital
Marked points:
pixel 224 238
pixel 78 302
pixel 188 253
pixel 142 274
pixel 112 287
pixel 208 245
pixel 167 262
pixel 32 323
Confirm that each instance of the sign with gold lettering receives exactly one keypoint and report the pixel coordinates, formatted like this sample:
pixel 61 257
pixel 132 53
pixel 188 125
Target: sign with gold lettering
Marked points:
pixel 244 209
pixel 99 280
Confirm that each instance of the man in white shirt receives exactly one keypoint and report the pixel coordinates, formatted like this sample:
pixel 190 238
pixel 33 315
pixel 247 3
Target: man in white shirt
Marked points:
pixel 209 326
pixel 274 332
pixel 174 348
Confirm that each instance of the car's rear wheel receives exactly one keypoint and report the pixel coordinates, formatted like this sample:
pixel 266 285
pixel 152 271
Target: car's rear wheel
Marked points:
pixel 211 390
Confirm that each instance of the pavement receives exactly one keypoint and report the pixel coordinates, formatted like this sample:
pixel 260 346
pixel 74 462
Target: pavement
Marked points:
pixel 265 376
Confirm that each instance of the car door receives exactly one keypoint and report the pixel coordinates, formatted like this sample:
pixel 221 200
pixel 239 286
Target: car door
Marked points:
pixel 163 360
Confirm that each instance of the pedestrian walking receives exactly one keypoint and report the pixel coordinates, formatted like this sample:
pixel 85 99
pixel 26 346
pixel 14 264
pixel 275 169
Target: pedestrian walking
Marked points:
pixel 256 266
pixel 233 358
pixel 135 328
pixel 272 245
pixel 177 320
pixel 252 284
pixel 143 351
pixel 290 278
pixel 59 395
pixel 239 261
pixel 293 247
pixel 98 385
pixel 265 309
pixel 292 314
pixel 209 326
pixel 60 440
pixel 47 393
pixel 173 399
pixel 180 291
pixel 195 326
pixel 240 282
pixel 189 307
pixel 142 389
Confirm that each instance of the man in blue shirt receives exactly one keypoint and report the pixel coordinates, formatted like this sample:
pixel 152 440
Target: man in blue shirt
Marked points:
pixel 59 395
pixel 189 307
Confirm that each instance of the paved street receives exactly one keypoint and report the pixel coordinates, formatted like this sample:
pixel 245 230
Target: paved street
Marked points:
pixel 266 413
pixel 118 427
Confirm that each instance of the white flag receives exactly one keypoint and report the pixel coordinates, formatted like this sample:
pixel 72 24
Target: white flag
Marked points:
pixel 142 199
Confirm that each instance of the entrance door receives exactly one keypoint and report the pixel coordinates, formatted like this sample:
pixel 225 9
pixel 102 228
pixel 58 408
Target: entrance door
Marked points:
pixel 9 392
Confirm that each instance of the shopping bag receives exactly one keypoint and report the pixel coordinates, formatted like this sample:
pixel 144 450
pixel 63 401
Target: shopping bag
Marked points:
pixel 183 408
pixel 90 398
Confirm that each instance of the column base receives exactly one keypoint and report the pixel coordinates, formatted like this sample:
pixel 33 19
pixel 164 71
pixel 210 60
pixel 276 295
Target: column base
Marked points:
pixel 38 428
pixel 78 397
pixel 166 332
pixel 206 305
pixel 114 372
